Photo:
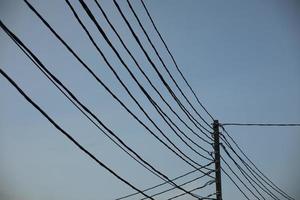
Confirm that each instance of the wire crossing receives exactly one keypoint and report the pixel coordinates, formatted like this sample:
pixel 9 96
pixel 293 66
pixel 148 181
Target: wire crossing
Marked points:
pixel 67 135
pixel 74 100
pixel 172 117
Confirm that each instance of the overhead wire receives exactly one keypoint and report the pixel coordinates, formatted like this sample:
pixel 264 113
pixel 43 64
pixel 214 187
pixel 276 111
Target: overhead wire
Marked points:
pixel 172 57
pixel 192 190
pixel 164 65
pixel 74 100
pixel 182 184
pixel 88 11
pixel 58 84
pixel 174 61
pixel 155 105
pixel 257 124
pixel 158 72
pixel 259 173
pixel 99 81
pixel 241 181
pixel 258 177
pixel 145 75
pixel 161 184
pixel 236 185
pixel 104 85
pixel 247 177
pixel 68 136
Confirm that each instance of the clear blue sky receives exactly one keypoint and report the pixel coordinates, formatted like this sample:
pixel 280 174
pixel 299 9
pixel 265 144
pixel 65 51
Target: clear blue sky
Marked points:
pixel 241 57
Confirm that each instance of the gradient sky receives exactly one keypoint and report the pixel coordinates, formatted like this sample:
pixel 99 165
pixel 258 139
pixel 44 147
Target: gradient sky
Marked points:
pixel 241 57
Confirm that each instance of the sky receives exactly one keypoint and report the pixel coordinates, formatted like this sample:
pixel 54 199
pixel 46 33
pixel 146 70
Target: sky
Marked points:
pixel 242 59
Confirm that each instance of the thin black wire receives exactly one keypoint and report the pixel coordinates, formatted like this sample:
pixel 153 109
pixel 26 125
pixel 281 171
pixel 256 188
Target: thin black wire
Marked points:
pixel 253 173
pixel 236 185
pixel 161 184
pixel 197 188
pixel 164 65
pixel 144 74
pixel 173 59
pixel 185 183
pixel 189 115
pixel 247 176
pixel 99 81
pixel 158 73
pixel 239 178
pixel 257 124
pixel 162 114
pixel 262 176
pixel 69 137
pixel 59 84
pixel 82 110
pixel 141 87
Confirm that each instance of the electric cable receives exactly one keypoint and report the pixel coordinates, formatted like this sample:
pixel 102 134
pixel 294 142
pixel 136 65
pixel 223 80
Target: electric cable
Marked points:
pixel 252 171
pixel 67 135
pixel 247 176
pixel 161 113
pixel 173 59
pixel 158 109
pixel 157 71
pixel 236 185
pixel 239 178
pixel 99 81
pixel 144 74
pixel 183 184
pixel 127 90
pixel 197 188
pixel 161 184
pixel 263 177
pixel 164 65
pixel 257 124
pixel 82 110
pixel 102 84
pixel 54 80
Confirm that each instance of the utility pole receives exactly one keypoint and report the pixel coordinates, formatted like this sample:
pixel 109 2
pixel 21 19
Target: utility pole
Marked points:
pixel 217 159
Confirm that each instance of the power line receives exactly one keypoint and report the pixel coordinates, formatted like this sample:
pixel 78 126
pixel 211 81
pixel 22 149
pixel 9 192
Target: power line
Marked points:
pixel 158 109
pixel 161 184
pixel 183 184
pixel 236 185
pixel 58 84
pixel 173 59
pixel 164 65
pixel 257 124
pixel 156 69
pixel 99 81
pixel 262 175
pixel 247 177
pixel 88 11
pixel 230 168
pixel 197 188
pixel 105 86
pixel 74 100
pixel 253 173
pixel 146 77
pixel 69 137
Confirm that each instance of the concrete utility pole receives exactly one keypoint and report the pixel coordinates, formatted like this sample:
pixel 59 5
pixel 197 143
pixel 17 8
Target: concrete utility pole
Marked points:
pixel 217 159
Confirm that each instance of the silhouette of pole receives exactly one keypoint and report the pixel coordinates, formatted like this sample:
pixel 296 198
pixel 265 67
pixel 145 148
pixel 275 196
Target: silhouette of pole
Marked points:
pixel 217 159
